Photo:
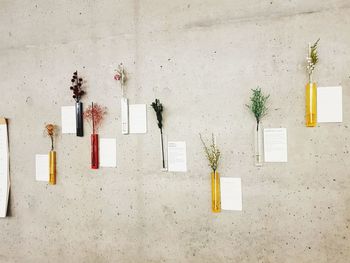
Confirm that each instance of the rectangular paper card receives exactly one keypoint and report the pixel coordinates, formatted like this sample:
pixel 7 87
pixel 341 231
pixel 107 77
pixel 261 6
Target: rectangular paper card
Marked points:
pixel 231 193
pixel 137 118
pixel 177 161
pixel 42 167
pixel 68 118
pixel 108 152
pixel 329 104
pixel 275 145
pixel 4 168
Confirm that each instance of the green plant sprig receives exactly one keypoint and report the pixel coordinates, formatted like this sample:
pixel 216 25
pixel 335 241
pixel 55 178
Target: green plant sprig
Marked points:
pixel 312 59
pixel 212 153
pixel 257 105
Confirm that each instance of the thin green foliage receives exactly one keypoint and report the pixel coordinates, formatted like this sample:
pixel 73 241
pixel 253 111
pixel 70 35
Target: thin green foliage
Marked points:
pixel 312 59
pixel 212 153
pixel 257 104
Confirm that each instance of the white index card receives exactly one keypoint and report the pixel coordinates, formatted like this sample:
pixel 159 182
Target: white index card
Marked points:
pixel 177 161
pixel 108 152
pixel 137 118
pixel 231 193
pixel 275 145
pixel 68 119
pixel 329 104
pixel 4 168
pixel 42 167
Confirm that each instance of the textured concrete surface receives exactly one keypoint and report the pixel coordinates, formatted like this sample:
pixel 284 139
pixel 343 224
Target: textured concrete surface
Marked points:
pixel 201 58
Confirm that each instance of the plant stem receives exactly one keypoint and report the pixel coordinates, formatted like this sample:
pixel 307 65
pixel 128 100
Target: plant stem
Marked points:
pixel 51 143
pixel 93 119
pixel 161 138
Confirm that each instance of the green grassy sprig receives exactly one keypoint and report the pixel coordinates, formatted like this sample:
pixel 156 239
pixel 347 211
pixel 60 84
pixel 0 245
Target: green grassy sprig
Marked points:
pixel 258 105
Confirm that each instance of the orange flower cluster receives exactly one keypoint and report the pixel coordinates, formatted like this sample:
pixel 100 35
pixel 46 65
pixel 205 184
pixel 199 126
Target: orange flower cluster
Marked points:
pixel 50 130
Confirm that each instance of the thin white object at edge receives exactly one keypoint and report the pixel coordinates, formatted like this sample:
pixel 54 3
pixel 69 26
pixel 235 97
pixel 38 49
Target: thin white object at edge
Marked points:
pixel 4 168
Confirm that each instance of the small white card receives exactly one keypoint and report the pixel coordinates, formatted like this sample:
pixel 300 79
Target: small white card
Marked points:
pixel 137 118
pixel 177 161
pixel 42 167
pixel 275 145
pixel 69 124
pixel 108 152
pixel 231 193
pixel 329 104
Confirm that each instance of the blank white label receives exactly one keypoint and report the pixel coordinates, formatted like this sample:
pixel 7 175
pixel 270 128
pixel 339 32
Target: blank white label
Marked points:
pixel 231 193
pixel 42 167
pixel 329 104
pixel 108 152
pixel 137 118
pixel 68 116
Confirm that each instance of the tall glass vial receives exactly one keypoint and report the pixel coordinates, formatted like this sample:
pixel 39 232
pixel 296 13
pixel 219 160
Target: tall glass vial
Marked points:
pixel 79 118
pixel 94 151
pixel 52 179
pixel 311 104
pixel 215 192
pixel 258 145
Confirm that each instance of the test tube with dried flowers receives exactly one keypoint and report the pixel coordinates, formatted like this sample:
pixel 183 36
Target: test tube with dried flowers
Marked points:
pixel 213 154
pixel 94 114
pixel 158 108
pixel 76 87
pixel 121 77
pixel 311 87
pixel 51 130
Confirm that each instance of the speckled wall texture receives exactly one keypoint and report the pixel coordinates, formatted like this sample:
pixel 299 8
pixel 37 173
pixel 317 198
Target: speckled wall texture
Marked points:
pixel 201 58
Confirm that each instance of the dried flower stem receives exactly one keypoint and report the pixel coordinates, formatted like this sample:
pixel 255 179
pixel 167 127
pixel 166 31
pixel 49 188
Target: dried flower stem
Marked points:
pixel 94 114
pixel 158 108
pixel 121 77
pixel 50 130
pixel 77 87
pixel 212 152
pixel 312 59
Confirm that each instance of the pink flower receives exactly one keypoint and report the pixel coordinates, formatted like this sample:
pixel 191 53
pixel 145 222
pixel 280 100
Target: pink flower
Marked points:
pixel 117 76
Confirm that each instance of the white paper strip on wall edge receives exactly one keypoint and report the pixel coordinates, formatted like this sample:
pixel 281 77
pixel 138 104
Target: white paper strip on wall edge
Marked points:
pixel 108 152
pixel 4 168
pixel 231 193
pixel 125 115
pixel 42 167
pixel 68 119
pixel 329 104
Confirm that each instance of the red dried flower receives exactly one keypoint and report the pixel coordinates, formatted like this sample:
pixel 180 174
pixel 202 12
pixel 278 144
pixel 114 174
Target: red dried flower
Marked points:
pixel 94 115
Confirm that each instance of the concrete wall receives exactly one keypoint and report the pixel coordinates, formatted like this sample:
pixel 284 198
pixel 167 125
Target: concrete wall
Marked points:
pixel 201 58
